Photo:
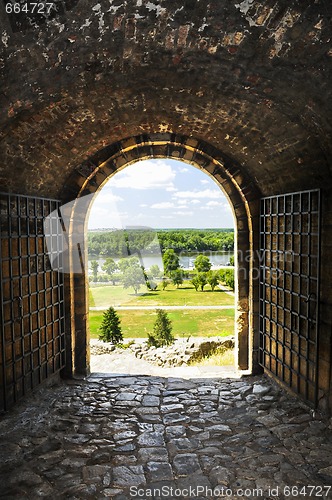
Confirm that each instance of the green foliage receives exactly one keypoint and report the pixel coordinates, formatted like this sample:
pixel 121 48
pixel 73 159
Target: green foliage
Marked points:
pixel 126 345
pixel 94 267
pixel 202 280
pixel 227 277
pixel 196 240
pixel 177 277
pixel 171 261
pixel 124 264
pixel 212 279
pixel 164 283
pixel 121 243
pixel 231 261
pixel 102 278
pixel 199 281
pixel 162 330
pixel 155 271
pixel 195 282
pixel 202 264
pixel 133 277
pixel 110 267
pixel 110 329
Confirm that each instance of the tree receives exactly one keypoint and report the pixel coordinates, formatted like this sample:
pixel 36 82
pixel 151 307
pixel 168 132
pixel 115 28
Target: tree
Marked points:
pixel 202 264
pixel 201 280
pixel 164 283
pixel 195 282
pixel 227 277
pixel 110 327
pixel 162 330
pixel 171 261
pixel 212 279
pixel 155 271
pixel 110 267
pixel 123 264
pixel 230 278
pixel 94 267
pixel 177 277
pixel 133 277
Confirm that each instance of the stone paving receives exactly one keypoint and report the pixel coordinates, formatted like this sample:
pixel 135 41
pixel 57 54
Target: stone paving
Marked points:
pixel 122 437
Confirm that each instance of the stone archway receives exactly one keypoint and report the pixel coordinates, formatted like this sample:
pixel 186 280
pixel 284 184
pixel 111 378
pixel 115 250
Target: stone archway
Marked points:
pixel 240 191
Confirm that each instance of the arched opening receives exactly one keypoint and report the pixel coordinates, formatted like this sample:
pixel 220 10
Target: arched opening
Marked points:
pixel 241 193
pixel 149 208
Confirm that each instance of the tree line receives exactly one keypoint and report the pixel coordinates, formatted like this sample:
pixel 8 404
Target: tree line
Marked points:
pixel 132 274
pixel 121 243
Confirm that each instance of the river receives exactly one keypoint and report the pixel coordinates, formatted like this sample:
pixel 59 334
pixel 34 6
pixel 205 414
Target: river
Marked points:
pixel 217 259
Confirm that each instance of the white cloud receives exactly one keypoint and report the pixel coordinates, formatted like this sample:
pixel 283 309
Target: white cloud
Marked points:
pixel 205 181
pixel 143 205
pixel 146 174
pixel 164 204
pixel 195 201
pixel 183 212
pixel 180 203
pixel 183 170
pixel 206 193
pixel 215 204
pixel 106 196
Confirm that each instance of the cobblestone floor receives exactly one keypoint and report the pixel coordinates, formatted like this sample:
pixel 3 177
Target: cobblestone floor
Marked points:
pixel 153 437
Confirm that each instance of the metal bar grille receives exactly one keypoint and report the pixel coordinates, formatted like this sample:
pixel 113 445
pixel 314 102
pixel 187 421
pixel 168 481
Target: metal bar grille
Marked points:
pixel 289 289
pixel 31 297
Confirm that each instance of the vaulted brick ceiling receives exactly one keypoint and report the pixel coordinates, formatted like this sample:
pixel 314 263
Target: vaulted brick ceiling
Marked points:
pixel 252 77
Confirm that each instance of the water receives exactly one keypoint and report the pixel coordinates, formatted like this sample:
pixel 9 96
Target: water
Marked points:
pixel 217 259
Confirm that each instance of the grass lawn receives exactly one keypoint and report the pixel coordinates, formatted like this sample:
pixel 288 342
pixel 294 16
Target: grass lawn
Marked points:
pixel 108 295
pixel 198 323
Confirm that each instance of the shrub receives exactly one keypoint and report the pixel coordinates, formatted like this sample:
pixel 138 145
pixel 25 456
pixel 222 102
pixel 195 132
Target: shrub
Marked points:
pixel 164 283
pixel 162 330
pixel 110 327
pixel 227 277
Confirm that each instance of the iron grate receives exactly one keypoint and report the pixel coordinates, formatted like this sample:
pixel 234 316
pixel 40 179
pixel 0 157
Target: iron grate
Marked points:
pixel 31 298
pixel 289 289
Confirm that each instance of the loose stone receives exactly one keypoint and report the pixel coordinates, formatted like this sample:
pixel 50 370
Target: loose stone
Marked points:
pixel 186 463
pixel 178 438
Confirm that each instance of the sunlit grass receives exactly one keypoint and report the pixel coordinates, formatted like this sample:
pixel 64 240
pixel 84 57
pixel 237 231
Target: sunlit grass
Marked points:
pixel 196 323
pixel 109 295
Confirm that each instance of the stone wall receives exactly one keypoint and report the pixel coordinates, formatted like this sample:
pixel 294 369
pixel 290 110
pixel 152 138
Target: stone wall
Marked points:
pixel 182 352
pixel 231 73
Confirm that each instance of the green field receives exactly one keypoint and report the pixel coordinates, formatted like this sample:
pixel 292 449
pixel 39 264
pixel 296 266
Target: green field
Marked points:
pixel 108 295
pixel 198 323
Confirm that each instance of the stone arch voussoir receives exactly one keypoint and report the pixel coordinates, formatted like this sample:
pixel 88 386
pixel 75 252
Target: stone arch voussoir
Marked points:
pixel 240 190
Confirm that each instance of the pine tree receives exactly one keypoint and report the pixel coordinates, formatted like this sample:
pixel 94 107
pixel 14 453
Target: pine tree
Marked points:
pixel 110 327
pixel 162 330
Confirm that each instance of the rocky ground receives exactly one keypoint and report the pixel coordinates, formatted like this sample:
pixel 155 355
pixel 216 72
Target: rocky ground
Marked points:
pixel 181 352
pixel 122 437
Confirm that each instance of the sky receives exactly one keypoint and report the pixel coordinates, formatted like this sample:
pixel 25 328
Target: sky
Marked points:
pixel 161 193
